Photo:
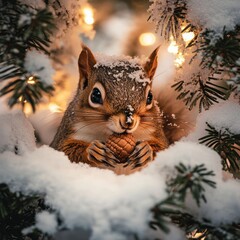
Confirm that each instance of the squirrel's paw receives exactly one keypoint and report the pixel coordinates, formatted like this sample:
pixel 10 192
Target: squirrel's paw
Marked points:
pixel 142 155
pixel 100 155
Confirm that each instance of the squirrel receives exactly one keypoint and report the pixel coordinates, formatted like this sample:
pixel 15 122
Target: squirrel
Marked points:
pixel 109 93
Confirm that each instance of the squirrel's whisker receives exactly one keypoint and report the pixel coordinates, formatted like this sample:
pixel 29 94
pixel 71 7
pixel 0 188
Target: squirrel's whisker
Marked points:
pixel 97 123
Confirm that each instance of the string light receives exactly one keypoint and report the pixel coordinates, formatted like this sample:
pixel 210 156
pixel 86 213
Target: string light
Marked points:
pixel 147 39
pixel 178 62
pixel 173 47
pixel 88 15
pixel 21 99
pixel 188 36
pixel 31 80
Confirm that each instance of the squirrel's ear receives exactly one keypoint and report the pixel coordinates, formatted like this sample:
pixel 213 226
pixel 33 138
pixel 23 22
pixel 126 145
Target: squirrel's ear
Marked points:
pixel 86 61
pixel 151 65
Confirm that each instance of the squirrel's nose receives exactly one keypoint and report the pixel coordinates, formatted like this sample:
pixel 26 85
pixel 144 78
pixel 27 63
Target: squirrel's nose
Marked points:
pixel 127 122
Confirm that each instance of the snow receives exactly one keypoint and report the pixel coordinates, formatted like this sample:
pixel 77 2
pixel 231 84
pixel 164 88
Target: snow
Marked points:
pixel 214 14
pixel 219 201
pixel 17 134
pixel 210 14
pixel 85 196
pixel 40 65
pixel 114 62
pixel 24 19
pixel 113 206
pixel 224 115
pixel 46 222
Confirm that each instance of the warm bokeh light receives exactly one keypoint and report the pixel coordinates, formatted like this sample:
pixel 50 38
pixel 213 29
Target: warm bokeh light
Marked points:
pixel 179 60
pixel 173 47
pixel 88 15
pixel 188 36
pixel 54 107
pixel 147 39
pixel 27 109
pixel 31 80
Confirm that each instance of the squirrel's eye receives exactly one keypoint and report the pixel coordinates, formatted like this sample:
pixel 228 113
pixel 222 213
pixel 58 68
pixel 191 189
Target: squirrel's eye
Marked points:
pixel 149 98
pixel 96 96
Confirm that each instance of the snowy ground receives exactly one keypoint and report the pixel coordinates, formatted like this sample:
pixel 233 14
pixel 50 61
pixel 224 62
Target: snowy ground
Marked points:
pixel 108 206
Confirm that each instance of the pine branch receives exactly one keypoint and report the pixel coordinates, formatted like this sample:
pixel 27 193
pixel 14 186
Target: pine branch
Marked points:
pixel 186 179
pixel 9 71
pixel 38 35
pixel 219 50
pixel 205 94
pixel 18 212
pixel 196 229
pixel 193 180
pixel 227 145
pixel 22 28
pixel 27 89
pixel 171 16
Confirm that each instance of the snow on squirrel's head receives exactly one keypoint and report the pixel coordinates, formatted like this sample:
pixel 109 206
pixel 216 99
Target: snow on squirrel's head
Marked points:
pixel 117 88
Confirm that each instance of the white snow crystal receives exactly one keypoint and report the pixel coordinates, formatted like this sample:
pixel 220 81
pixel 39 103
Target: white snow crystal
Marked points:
pixel 24 19
pixel 46 222
pixel 39 64
pixel 130 108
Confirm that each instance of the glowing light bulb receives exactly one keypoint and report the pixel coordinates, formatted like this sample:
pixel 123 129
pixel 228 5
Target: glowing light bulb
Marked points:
pixel 31 80
pixel 88 15
pixel 178 62
pixel 147 39
pixel 22 100
pixel 188 36
pixel 54 107
pixel 173 47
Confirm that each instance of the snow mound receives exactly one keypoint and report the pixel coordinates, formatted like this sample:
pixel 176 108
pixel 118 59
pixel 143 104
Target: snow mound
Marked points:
pixel 114 206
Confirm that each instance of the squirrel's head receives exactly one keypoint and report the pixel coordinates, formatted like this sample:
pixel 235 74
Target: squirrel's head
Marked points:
pixel 115 93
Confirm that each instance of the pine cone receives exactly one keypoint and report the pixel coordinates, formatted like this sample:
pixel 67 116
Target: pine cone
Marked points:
pixel 121 145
